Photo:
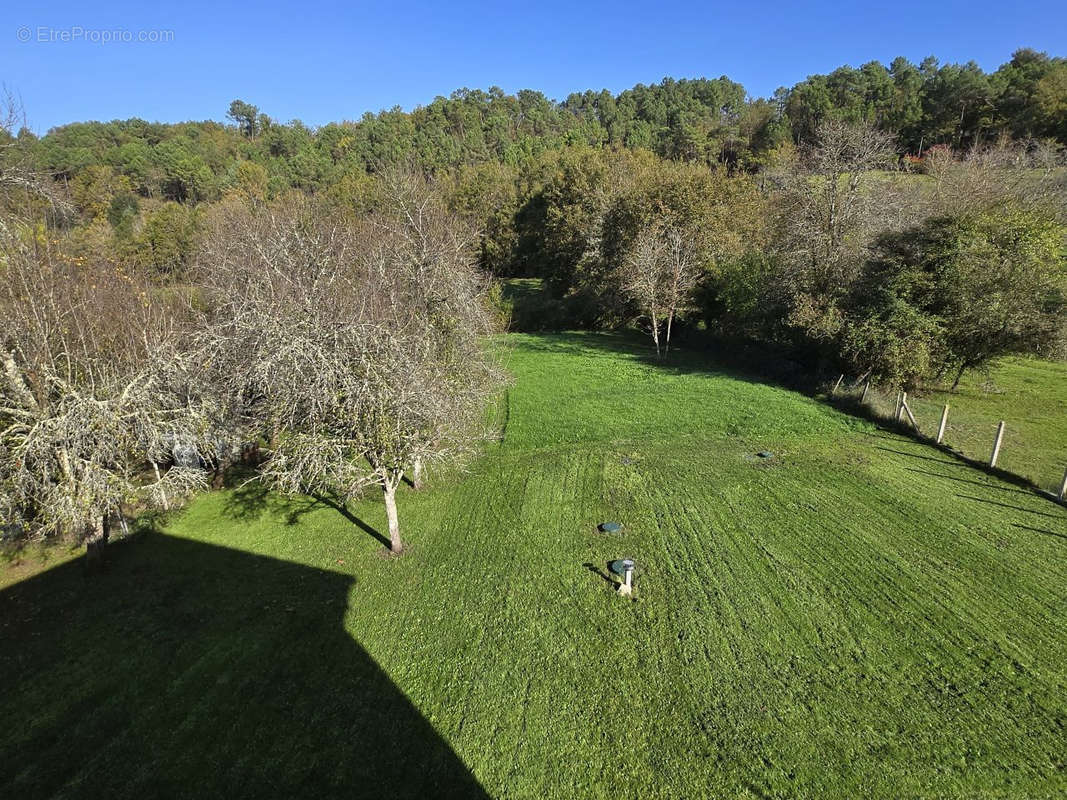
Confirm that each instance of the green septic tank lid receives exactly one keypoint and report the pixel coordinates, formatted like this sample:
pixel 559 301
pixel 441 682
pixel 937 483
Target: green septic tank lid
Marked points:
pixel 609 527
pixel 620 565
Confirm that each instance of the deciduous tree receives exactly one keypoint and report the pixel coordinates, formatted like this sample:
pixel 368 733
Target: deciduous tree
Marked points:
pixel 91 394
pixel 659 275
pixel 357 348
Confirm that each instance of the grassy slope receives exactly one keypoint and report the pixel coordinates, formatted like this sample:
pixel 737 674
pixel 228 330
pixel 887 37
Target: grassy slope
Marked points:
pixel 1030 395
pixel 861 615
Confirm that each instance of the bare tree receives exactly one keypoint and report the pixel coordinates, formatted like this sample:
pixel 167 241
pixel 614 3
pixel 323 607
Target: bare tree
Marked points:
pixel 939 163
pixel 642 279
pixel 357 347
pixel 1046 155
pixel 1001 172
pixel 829 213
pixel 23 188
pixel 659 274
pixel 426 257
pixel 88 398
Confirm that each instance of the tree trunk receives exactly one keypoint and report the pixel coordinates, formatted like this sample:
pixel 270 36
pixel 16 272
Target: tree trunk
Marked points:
pixel 162 491
pixel 959 375
pixel 17 384
pixel 389 487
pixel 667 341
pixel 101 530
pixel 97 540
pixel 417 474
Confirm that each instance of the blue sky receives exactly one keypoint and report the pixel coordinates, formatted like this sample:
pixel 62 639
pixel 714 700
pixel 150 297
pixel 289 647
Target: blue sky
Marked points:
pixel 322 61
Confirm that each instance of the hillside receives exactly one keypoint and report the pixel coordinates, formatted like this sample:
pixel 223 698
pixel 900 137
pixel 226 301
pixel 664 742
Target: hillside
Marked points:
pixel 1028 394
pixel 858 614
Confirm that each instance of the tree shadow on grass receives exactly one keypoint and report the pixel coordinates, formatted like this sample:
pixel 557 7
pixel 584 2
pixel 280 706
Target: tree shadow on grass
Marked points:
pixel 339 506
pixel 753 362
pixel 193 670
pixel 693 353
pixel 992 486
pixel 1040 530
pixel 249 499
pixel 942 461
pixel 1013 508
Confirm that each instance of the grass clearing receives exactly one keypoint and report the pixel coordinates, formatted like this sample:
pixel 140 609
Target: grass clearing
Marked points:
pixel 859 615
pixel 1030 395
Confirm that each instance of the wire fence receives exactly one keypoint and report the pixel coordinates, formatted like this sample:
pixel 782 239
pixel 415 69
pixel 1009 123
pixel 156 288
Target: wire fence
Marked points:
pixel 971 429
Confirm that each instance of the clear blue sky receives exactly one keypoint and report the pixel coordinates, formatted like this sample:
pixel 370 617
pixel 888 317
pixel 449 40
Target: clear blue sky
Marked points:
pixel 322 61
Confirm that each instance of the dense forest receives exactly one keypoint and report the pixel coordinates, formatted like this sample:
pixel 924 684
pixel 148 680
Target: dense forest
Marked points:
pixel 905 223
pixel 708 121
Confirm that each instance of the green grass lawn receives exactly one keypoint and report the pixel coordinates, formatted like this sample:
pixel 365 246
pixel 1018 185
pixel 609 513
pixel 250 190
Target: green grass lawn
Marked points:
pixel 860 615
pixel 1030 395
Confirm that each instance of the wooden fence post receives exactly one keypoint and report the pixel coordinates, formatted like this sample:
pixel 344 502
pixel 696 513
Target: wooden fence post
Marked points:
pixel 907 410
pixel 837 385
pixel 941 427
pixel 1063 488
pixel 996 444
pixel 866 386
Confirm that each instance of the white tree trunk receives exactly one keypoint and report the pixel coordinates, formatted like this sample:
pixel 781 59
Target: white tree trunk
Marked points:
pixel 655 329
pixel 389 487
pixel 418 471
pixel 162 491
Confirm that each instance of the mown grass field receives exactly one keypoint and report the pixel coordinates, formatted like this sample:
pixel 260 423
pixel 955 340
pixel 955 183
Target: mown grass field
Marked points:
pixel 860 615
pixel 1030 395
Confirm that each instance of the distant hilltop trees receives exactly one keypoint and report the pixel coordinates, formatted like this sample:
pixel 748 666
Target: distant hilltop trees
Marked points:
pixel 712 121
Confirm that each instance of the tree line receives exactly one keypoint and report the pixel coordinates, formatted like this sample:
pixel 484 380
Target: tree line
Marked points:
pixel 136 186
pixel 703 120
pixel 834 257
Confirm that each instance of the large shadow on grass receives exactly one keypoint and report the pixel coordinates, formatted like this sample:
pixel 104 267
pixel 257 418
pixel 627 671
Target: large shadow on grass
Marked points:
pixel 190 670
